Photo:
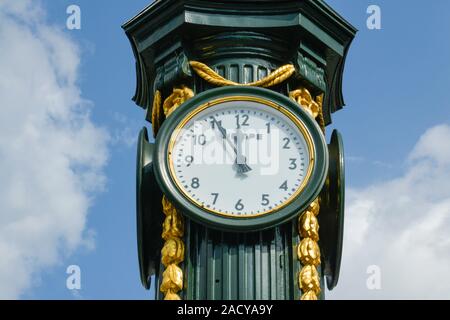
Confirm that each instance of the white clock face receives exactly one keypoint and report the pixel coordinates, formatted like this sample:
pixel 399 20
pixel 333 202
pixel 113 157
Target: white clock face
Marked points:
pixel 241 158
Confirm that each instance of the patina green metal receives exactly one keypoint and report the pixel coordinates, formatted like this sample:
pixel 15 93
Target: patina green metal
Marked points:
pixel 148 207
pixel 331 216
pixel 243 41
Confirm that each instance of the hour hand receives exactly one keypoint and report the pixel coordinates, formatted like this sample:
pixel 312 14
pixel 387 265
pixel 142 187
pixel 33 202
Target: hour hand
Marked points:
pixel 241 160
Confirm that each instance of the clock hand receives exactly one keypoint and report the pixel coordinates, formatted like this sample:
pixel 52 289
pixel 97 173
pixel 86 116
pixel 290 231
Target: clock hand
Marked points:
pixel 222 130
pixel 242 167
pixel 241 160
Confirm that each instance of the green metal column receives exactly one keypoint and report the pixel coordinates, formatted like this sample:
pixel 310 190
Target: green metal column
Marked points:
pixel 249 266
pixel 235 266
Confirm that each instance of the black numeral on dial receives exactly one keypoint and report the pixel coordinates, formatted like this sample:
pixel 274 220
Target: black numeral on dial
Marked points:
pixel 215 196
pixel 284 186
pixel 189 160
pixel 213 123
pixel 265 200
pixel 200 139
pixel 242 121
pixel 239 205
pixel 287 142
pixel 195 183
pixel 293 164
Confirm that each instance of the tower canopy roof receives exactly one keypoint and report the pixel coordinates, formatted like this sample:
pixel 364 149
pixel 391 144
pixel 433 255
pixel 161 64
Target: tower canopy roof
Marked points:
pixel 295 21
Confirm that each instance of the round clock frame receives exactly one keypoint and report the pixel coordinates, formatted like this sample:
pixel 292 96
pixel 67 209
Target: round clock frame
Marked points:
pixel 310 191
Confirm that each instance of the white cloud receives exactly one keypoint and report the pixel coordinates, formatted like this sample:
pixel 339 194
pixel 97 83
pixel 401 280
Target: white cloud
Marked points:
pixel 402 226
pixel 51 153
pixel 124 133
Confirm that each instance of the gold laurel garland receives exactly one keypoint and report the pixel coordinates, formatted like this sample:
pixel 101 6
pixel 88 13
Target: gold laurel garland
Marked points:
pixel 162 110
pixel 314 107
pixel 178 97
pixel 156 112
pixel 172 253
pixel 308 251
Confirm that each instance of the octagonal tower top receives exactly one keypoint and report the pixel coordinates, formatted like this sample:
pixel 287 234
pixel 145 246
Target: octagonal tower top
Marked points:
pixel 308 33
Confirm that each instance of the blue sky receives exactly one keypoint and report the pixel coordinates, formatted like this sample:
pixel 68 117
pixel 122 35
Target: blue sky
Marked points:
pixel 396 129
pixel 107 78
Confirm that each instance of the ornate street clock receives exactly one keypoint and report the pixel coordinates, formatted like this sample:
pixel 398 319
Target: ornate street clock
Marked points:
pixel 241 159
pixel 239 196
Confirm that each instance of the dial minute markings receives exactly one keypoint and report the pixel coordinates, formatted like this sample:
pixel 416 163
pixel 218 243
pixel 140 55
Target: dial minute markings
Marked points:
pixel 226 136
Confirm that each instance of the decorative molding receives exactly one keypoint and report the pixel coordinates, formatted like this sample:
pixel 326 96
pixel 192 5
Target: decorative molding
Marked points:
pixel 309 70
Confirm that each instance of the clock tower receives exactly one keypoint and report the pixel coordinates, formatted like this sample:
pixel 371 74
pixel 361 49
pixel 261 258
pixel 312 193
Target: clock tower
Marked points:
pixel 239 196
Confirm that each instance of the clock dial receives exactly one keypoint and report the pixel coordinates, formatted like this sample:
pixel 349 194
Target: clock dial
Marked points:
pixel 241 158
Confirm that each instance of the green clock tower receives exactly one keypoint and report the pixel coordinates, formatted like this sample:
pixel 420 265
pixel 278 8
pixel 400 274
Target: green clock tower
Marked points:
pixel 239 196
